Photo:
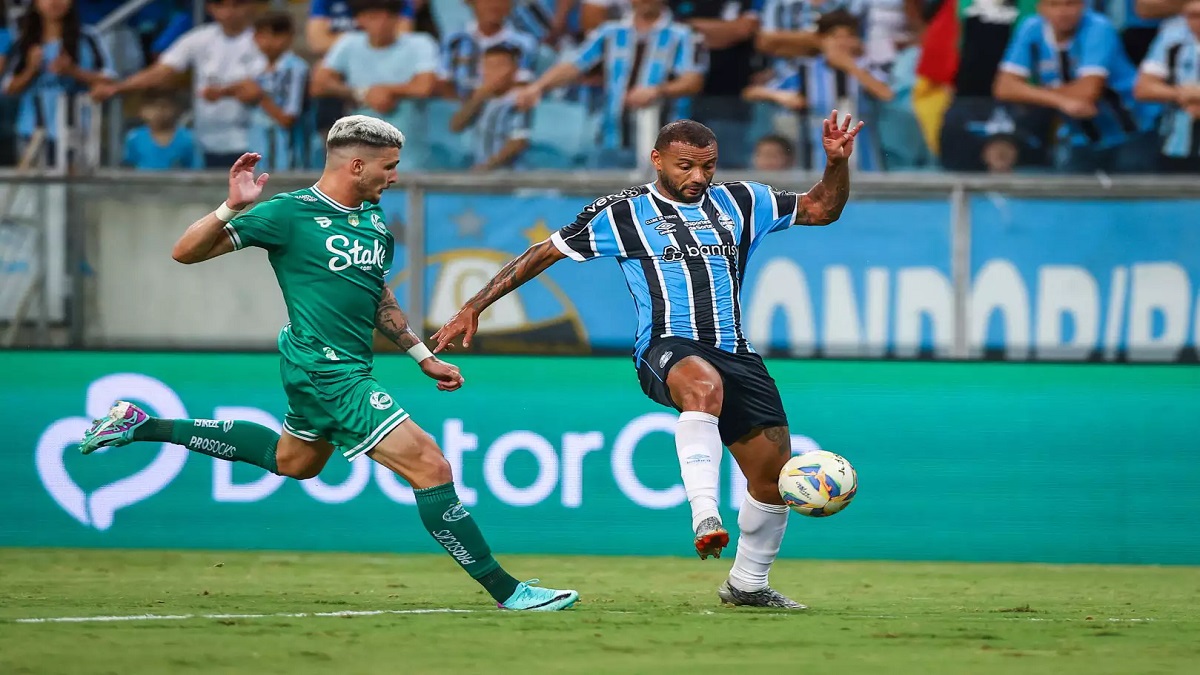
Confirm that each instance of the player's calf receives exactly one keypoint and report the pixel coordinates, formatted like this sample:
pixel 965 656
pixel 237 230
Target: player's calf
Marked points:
pixel 412 453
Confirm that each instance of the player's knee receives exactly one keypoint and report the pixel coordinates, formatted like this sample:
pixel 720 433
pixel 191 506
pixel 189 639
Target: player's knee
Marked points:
pixel 297 466
pixel 430 467
pixel 704 394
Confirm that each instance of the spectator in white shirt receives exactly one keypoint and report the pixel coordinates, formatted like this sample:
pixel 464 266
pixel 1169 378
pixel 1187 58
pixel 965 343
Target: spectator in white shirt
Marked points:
pixel 220 55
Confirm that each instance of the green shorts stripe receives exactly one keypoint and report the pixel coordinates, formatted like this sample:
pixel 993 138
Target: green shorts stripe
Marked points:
pixel 302 435
pixel 377 435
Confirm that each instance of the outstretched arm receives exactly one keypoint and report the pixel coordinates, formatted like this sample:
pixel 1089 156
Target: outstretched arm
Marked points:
pixel 535 260
pixel 392 323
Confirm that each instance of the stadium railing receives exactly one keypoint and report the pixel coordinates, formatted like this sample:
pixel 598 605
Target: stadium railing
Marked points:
pixel 112 230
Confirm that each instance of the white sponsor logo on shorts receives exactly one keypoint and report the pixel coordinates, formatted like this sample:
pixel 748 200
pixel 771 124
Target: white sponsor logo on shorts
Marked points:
pixel 456 512
pixel 662 362
pixel 208 424
pixel 226 425
pixel 380 400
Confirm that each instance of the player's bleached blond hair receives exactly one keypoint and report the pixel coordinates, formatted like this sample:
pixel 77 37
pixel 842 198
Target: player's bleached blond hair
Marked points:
pixel 363 130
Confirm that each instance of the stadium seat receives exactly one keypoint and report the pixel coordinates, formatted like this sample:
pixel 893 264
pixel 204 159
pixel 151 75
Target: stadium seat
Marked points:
pixel 448 150
pixel 562 135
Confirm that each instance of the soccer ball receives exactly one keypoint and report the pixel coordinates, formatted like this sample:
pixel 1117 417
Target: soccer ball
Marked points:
pixel 818 483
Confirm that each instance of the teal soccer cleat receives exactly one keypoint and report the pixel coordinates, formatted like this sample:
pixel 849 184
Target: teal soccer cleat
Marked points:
pixel 538 599
pixel 114 430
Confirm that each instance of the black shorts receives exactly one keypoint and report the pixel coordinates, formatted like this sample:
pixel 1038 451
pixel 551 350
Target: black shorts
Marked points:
pixel 751 398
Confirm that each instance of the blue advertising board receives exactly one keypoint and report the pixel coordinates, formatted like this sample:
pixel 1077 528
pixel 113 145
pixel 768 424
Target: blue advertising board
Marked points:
pixel 1049 279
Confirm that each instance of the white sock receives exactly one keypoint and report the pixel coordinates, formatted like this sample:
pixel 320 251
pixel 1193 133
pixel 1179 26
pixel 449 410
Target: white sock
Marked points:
pixel 762 527
pixel 698 444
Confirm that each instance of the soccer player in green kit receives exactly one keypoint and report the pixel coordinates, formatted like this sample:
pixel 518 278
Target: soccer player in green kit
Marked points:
pixel 330 249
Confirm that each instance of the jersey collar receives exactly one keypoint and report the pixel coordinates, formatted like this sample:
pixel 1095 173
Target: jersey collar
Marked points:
pixel 331 202
pixel 654 190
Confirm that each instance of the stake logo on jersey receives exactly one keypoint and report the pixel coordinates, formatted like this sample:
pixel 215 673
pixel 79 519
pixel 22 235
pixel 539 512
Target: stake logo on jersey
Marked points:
pixel 346 253
pixel 684 272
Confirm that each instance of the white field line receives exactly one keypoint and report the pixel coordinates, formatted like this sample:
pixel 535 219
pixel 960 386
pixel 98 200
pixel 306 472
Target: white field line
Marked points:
pixel 280 615
pixel 447 610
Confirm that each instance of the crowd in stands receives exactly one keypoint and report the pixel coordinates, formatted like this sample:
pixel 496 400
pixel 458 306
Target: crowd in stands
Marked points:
pixel 1076 86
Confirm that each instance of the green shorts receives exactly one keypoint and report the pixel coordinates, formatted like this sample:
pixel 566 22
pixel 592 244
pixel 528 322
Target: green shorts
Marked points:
pixel 347 407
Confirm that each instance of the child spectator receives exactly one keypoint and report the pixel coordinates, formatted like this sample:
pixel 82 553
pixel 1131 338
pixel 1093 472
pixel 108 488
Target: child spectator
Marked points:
pixel 160 144
pixel 773 153
pixel 501 129
pixel 219 55
pixel 838 78
pixel 278 124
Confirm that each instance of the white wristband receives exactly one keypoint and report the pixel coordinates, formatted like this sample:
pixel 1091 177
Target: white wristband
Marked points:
pixel 224 213
pixel 419 352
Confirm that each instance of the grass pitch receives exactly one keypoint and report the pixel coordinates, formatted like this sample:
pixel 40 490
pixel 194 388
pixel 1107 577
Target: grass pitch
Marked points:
pixel 638 615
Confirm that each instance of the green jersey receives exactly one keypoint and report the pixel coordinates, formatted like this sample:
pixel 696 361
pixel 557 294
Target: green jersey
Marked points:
pixel 331 262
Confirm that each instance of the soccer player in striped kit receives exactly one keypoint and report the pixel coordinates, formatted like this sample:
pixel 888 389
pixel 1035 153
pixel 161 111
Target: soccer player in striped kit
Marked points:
pixel 683 243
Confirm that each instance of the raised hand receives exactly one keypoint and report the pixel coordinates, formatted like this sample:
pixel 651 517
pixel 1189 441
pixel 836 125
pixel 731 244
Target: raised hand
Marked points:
pixel 447 375
pixel 464 323
pixel 838 141
pixel 244 188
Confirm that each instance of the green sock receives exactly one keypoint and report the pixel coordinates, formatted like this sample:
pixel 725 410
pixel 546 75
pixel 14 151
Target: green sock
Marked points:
pixel 235 441
pixel 450 524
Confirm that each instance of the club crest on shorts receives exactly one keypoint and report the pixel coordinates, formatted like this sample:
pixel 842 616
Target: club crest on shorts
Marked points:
pixel 456 512
pixel 662 362
pixel 380 400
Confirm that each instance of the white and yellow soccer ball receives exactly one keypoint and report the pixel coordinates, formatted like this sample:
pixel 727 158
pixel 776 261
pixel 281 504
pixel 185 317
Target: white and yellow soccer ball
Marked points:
pixel 818 483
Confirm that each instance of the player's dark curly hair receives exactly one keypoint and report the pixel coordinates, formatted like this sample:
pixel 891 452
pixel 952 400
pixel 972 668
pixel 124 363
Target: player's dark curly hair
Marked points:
pixel 29 34
pixel 688 132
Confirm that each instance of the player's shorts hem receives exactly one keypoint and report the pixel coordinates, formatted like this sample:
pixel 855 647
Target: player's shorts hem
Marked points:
pixel 397 418
pixel 302 435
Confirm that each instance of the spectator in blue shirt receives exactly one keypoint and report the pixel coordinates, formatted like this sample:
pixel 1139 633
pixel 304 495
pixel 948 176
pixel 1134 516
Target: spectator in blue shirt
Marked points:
pixel 1070 59
pixel 328 19
pixel 1170 75
pixel 501 129
pixel 462 51
pixel 160 144
pixel 381 73
pixel 55 56
pixel 279 130
pixel 649 61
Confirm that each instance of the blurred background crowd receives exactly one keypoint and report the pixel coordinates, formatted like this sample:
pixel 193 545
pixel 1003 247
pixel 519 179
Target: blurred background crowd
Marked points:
pixel 1076 86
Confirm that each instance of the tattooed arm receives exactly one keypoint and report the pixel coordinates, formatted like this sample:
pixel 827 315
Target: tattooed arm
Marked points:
pixel 392 323
pixel 535 260
pixel 823 204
